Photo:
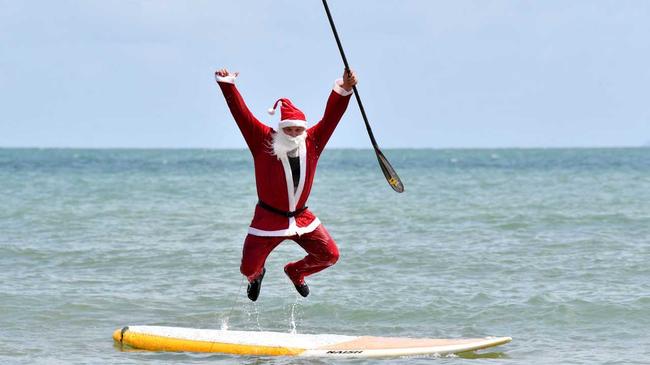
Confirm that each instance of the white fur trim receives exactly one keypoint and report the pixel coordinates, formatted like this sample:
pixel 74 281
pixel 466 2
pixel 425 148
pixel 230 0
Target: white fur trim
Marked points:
pixel 227 79
pixel 289 180
pixel 338 88
pixel 293 229
pixel 302 153
pixel 295 197
pixel 292 123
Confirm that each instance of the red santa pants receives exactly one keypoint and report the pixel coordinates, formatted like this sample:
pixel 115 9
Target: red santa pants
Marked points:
pixel 321 253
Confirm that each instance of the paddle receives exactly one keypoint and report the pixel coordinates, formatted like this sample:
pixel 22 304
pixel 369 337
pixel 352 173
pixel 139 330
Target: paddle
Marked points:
pixel 386 168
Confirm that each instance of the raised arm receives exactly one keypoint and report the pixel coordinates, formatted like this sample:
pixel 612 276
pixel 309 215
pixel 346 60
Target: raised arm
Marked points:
pixel 253 130
pixel 336 106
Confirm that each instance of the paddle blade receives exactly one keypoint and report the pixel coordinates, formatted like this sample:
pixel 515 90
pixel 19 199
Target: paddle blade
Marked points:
pixel 389 172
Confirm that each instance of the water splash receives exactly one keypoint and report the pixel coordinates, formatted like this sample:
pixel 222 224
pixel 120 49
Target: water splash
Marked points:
pixel 226 319
pixel 294 312
pixel 254 315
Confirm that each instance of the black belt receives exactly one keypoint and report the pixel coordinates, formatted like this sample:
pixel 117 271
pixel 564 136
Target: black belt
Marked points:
pixel 281 212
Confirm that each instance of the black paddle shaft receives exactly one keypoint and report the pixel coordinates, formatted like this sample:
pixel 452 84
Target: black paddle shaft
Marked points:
pixel 390 174
pixel 347 68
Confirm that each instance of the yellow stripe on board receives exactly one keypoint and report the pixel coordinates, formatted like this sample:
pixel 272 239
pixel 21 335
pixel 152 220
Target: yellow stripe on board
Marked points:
pixel 161 343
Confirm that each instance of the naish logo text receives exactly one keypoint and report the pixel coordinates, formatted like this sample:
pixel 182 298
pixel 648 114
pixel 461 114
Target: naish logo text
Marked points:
pixel 345 352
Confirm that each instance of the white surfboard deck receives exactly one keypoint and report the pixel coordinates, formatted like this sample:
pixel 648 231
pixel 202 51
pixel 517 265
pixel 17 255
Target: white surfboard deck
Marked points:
pixel 265 343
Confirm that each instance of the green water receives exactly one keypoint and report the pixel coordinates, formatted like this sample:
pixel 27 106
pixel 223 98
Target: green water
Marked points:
pixel 550 247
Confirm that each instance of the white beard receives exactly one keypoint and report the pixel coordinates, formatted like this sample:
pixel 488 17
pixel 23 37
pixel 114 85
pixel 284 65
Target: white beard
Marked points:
pixel 284 145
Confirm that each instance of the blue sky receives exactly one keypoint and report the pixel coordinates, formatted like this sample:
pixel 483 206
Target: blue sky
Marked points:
pixel 432 73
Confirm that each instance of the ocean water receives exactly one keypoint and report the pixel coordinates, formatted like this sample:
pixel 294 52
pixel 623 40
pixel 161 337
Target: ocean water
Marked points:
pixel 551 247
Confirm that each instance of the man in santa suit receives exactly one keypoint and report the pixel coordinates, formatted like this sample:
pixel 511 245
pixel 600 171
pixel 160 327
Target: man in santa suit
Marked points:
pixel 285 163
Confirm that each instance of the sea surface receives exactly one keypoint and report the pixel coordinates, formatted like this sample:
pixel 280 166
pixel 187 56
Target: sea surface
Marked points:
pixel 548 246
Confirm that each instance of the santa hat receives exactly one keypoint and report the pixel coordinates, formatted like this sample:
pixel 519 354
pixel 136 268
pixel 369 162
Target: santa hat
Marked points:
pixel 290 116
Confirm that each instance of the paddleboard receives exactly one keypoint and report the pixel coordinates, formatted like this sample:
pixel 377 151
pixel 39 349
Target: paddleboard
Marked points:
pixel 265 343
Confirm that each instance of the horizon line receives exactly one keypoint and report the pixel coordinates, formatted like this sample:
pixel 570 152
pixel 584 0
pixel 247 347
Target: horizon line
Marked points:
pixel 329 148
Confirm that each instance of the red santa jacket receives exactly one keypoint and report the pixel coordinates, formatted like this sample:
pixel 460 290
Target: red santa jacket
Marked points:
pixel 272 175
